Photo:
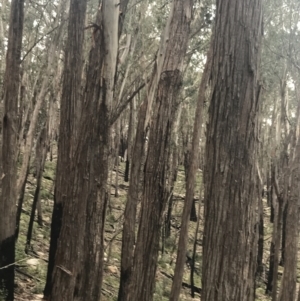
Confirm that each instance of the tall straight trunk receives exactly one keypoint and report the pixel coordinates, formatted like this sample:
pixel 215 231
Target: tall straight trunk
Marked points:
pixel 172 174
pixel 271 287
pixel 289 279
pixel 39 103
pixel 79 256
pixel 67 135
pixel 8 168
pixel 229 239
pixel 190 184
pixel 130 139
pixel 128 238
pixel 155 192
pixel 195 246
pixel 41 153
pixel 283 236
pixel 117 161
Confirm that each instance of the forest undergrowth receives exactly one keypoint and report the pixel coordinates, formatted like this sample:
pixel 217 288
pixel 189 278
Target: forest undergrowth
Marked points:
pixel 31 268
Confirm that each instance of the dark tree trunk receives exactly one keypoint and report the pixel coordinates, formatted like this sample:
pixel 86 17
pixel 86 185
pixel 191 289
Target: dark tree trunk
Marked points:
pixel 8 169
pixel 128 238
pixel 277 201
pixel 130 139
pixel 41 152
pixel 260 252
pixel 20 203
pixel 69 119
pixel 230 242
pixel 283 238
pixel 289 279
pixel 193 213
pixel 79 256
pixel 126 174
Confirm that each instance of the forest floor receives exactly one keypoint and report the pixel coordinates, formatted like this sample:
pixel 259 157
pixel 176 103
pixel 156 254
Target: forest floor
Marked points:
pixel 31 268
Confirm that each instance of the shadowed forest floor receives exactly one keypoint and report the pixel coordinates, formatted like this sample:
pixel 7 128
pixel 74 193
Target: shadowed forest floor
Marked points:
pixel 31 269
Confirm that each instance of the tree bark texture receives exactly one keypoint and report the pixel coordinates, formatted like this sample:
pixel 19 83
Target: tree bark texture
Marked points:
pixel 79 257
pixel 155 192
pixel 64 193
pixel 8 170
pixel 230 244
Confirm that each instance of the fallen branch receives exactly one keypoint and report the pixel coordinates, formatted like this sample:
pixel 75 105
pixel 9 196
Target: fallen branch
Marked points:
pixel 184 284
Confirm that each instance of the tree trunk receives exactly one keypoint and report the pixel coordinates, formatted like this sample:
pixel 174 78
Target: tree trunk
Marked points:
pixel 128 238
pixel 190 184
pixel 79 257
pixel 276 236
pixel 155 193
pixel 116 159
pixel 289 279
pixel 283 237
pixel 67 136
pixel 130 139
pixel 229 243
pixel 39 102
pixel 41 152
pixel 8 168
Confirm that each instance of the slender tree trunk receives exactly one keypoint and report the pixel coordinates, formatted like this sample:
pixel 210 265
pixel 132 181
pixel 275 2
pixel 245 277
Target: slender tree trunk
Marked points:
pixel 130 139
pixel 229 242
pixel 34 118
pixel 289 279
pixel 195 246
pixel 69 119
pixel 283 239
pixel 128 238
pixel 8 168
pixel 155 193
pixel 41 157
pixel 117 145
pixel 79 257
pixel 276 236
pixel 190 184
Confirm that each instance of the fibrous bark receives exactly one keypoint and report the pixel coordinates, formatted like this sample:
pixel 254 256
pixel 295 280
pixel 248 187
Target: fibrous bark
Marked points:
pixel 69 118
pixel 8 168
pixel 229 242
pixel 155 193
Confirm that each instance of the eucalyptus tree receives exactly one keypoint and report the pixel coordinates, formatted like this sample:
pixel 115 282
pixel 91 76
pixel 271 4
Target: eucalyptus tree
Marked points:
pixel 68 132
pixel 166 81
pixel 190 182
pixel 47 77
pixel 86 150
pixel 280 107
pixel 229 242
pixel 8 168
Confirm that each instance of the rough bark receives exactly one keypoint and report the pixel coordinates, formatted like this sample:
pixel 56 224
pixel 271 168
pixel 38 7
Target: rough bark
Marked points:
pixel 155 193
pixel 8 170
pixel 128 238
pixel 79 256
pixel 67 136
pixel 229 242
